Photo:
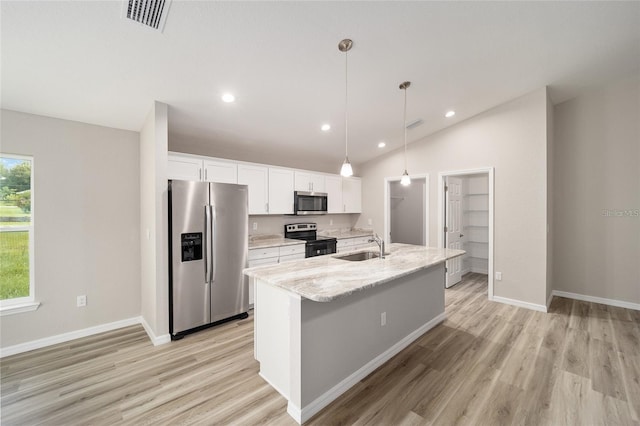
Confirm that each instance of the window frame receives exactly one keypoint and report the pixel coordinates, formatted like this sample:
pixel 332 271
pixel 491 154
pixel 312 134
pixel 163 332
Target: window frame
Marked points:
pixel 27 303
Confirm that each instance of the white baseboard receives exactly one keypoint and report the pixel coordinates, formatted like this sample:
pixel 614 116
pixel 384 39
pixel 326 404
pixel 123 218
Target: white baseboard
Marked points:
pixel 484 271
pixel 549 301
pixel 594 299
pixel 156 340
pixel 65 337
pixel 520 303
pixel 308 411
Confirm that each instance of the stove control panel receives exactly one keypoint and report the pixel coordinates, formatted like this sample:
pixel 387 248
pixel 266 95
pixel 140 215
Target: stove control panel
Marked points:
pixel 294 227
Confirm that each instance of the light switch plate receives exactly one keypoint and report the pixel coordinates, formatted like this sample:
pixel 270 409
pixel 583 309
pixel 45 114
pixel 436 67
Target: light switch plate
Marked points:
pixel 499 276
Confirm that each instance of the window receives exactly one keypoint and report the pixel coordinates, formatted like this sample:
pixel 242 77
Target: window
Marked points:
pixel 16 234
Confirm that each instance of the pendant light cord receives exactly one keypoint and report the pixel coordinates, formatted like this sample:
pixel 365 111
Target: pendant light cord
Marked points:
pixel 405 129
pixel 346 104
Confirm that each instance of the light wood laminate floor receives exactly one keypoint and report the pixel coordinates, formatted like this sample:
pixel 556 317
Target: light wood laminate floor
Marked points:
pixel 488 363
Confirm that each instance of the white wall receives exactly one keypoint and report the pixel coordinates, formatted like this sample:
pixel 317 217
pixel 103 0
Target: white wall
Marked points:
pixel 406 212
pixel 86 224
pixel 153 238
pixel 274 224
pixel 260 154
pixel 550 195
pixel 597 167
pixel 512 138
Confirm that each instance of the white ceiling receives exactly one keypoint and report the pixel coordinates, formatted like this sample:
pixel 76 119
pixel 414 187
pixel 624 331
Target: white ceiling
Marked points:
pixel 80 60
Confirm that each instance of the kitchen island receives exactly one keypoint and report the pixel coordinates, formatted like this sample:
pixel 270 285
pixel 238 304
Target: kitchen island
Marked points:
pixel 322 324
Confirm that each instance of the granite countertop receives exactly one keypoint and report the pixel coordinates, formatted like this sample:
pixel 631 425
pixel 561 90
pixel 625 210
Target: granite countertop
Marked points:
pixel 350 233
pixel 326 278
pixel 264 241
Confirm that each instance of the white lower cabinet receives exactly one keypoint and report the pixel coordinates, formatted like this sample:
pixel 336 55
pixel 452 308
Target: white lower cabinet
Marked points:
pixel 272 256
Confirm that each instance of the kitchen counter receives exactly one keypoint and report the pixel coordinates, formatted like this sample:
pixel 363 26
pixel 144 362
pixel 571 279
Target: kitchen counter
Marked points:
pixel 326 278
pixel 264 241
pixel 322 324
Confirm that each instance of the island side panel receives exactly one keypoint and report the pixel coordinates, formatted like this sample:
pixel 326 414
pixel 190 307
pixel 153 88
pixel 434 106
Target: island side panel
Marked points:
pixel 276 313
pixel 342 336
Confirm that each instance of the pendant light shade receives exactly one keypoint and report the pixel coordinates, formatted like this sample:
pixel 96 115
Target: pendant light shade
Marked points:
pixel 346 169
pixel 405 180
pixel 344 46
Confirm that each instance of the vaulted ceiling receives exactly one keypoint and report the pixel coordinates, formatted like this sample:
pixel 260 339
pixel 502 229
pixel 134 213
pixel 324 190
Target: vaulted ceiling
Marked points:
pixel 80 60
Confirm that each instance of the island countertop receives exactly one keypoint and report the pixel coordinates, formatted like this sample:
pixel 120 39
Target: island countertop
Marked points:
pixel 326 278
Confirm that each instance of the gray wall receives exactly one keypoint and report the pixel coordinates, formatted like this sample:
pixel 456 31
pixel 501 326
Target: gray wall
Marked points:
pixel 512 138
pixel 86 212
pixel 597 167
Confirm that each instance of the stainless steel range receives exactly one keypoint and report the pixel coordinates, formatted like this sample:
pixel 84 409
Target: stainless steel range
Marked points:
pixel 315 246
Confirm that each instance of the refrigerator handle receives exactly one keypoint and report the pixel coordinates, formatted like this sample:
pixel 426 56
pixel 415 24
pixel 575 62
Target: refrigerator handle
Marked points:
pixel 207 258
pixel 212 270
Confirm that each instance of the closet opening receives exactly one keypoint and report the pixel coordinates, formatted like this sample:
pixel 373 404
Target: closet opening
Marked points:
pixel 465 221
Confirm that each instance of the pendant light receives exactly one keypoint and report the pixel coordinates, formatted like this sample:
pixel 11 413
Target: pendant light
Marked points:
pixel 405 180
pixel 344 46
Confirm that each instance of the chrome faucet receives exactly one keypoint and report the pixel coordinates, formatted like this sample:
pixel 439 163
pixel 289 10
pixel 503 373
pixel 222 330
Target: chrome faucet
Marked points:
pixel 380 242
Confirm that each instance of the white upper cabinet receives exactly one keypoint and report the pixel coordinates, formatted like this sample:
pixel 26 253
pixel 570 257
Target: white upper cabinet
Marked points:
pixel 309 182
pixel 352 195
pixel 333 188
pixel 257 178
pixel 184 168
pixel 220 171
pixel 280 191
pixel 270 188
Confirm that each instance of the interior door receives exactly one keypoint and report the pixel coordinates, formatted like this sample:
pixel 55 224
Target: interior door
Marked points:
pixel 453 228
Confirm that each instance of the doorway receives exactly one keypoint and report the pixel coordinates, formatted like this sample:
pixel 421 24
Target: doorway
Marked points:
pixel 465 221
pixel 407 211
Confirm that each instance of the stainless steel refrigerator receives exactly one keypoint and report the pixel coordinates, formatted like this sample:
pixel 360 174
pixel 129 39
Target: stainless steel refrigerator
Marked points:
pixel 208 245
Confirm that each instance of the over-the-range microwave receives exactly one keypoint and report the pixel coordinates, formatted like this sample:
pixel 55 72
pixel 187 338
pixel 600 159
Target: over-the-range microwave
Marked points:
pixel 309 203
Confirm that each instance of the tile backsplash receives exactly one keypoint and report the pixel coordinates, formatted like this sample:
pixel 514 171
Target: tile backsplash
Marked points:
pixel 274 225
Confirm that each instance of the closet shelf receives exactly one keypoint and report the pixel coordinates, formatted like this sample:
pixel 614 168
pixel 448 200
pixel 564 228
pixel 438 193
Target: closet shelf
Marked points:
pixel 477 193
pixel 476 242
pixel 476 226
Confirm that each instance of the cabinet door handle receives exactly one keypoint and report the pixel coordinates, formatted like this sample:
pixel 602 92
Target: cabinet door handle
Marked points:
pixel 266 207
pixel 205 174
pixel 199 174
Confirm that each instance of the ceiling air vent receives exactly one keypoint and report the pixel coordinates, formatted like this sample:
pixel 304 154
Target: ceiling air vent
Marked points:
pixel 150 13
pixel 415 123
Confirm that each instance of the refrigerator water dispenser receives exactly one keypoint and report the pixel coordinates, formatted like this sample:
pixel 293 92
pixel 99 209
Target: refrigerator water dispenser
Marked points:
pixel 191 246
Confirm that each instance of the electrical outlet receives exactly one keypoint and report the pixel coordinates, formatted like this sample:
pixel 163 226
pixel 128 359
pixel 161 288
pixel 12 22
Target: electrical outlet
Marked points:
pixel 499 276
pixel 330 222
pixel 81 301
pixel 255 226
pixel 370 221
pixel 383 319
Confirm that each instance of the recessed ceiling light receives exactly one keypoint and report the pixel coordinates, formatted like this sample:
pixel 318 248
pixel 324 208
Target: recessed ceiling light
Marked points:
pixel 325 127
pixel 381 145
pixel 450 114
pixel 228 97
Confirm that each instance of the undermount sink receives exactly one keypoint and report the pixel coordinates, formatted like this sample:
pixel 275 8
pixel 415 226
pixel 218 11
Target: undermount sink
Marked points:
pixel 358 257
